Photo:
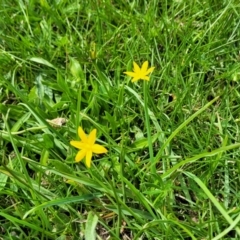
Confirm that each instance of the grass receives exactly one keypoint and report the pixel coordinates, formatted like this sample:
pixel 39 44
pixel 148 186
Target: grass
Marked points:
pixel 172 167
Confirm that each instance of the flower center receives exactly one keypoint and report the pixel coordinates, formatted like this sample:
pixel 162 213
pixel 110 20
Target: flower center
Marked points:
pixel 88 147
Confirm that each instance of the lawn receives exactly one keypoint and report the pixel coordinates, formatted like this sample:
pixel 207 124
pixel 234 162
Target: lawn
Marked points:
pixel 119 119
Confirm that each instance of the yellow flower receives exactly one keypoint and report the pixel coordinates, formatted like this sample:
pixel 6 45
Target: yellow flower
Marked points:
pixel 140 73
pixel 87 146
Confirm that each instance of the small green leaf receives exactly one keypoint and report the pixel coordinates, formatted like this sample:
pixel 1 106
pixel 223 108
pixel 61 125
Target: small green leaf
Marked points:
pixel 76 69
pixel 91 224
pixel 20 122
pixel 41 61
pixel 48 141
pixel 3 180
pixel 61 166
pixel 32 96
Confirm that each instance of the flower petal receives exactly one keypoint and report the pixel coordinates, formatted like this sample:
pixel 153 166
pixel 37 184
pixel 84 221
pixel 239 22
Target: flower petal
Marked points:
pixel 88 158
pixel 134 79
pixel 96 148
pixel 131 74
pixel 149 70
pixel 136 68
pixel 144 67
pixel 80 155
pixel 82 134
pixel 145 78
pixel 92 137
pixel 77 144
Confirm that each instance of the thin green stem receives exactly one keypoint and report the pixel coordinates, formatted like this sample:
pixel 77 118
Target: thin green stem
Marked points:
pixel 147 123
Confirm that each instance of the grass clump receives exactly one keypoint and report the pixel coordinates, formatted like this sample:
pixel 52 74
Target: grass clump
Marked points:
pixel 171 170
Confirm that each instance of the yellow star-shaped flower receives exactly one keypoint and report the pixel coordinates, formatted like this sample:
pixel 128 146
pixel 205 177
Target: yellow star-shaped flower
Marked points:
pixel 140 73
pixel 87 146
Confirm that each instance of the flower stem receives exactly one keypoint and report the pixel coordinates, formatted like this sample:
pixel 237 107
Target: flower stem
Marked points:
pixel 147 123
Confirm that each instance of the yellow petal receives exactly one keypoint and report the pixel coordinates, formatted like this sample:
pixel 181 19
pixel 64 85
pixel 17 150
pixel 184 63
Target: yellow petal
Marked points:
pixel 96 148
pixel 77 144
pixel 144 67
pixel 135 79
pixel 80 155
pixel 82 134
pixel 131 74
pixel 136 68
pixel 92 137
pixel 82 145
pixel 150 70
pixel 145 78
pixel 88 158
